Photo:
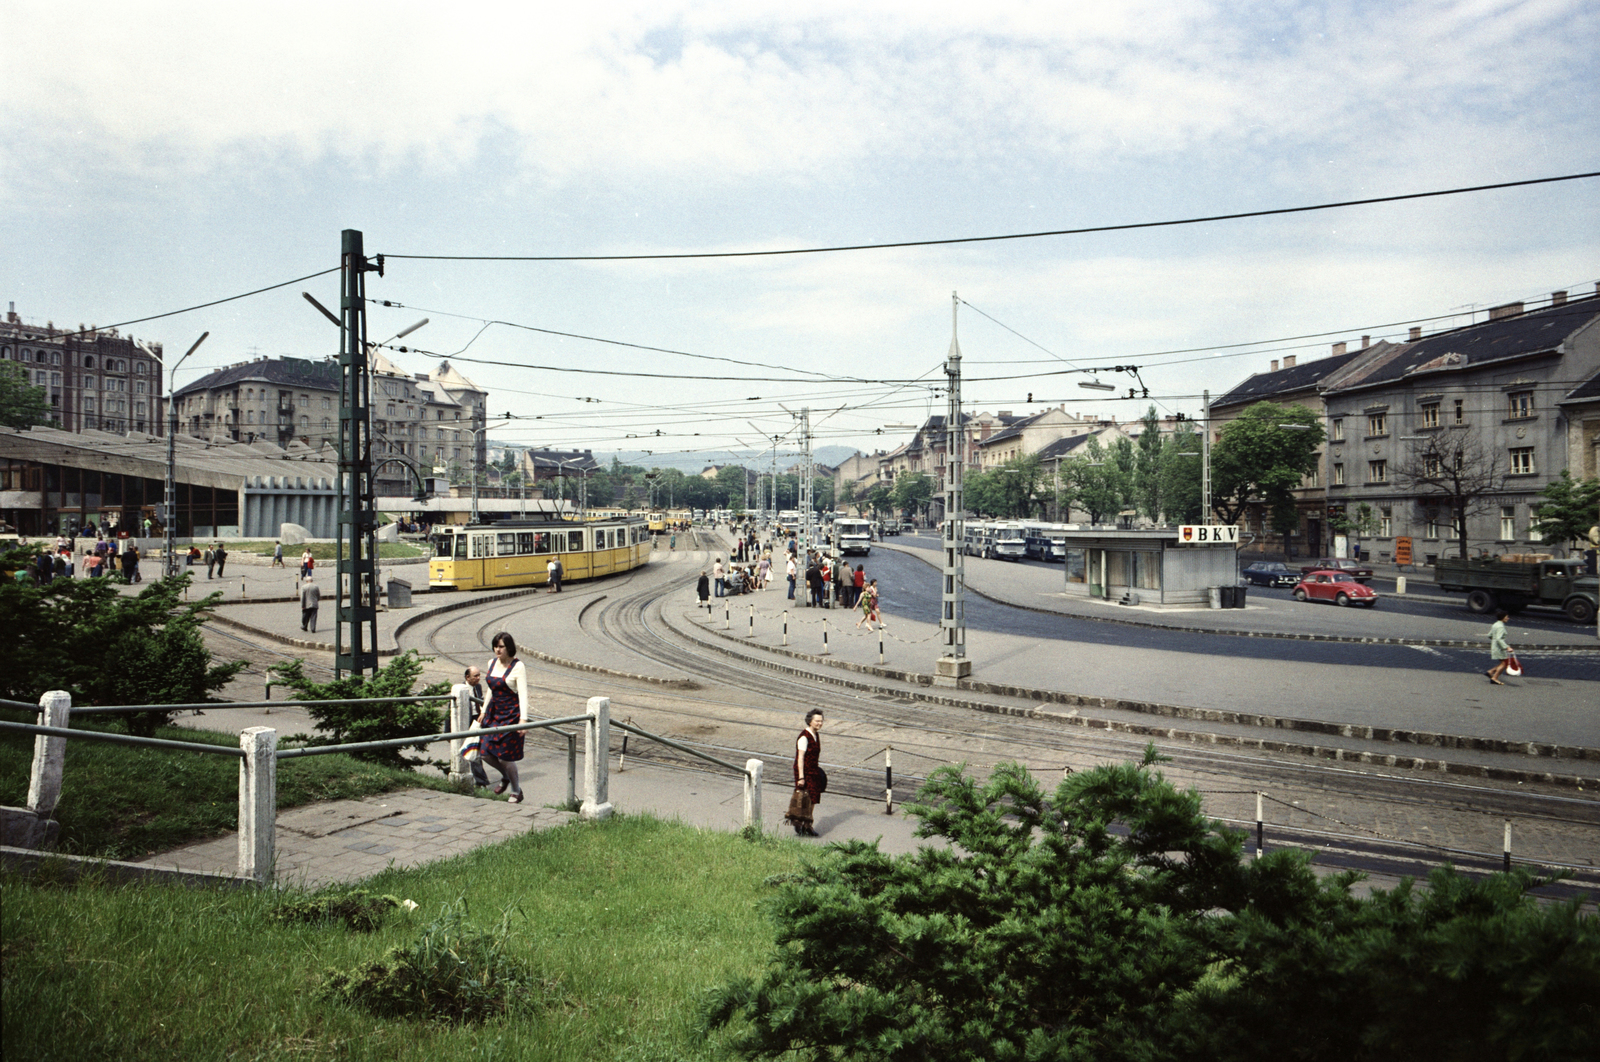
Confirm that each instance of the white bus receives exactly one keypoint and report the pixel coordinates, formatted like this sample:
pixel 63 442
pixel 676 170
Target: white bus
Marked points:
pixel 853 536
pixel 1008 542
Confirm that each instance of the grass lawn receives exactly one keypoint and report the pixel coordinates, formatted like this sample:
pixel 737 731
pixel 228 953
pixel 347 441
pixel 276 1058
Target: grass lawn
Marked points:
pixel 121 802
pixel 629 921
pixel 320 550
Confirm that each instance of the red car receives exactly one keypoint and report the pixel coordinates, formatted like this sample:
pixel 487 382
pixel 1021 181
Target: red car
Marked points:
pixel 1359 572
pixel 1339 587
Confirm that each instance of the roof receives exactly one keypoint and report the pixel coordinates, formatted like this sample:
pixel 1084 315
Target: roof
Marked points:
pixel 227 465
pixel 1535 332
pixel 1266 385
pixel 1013 427
pixel 1064 447
pixel 284 372
pixel 1587 391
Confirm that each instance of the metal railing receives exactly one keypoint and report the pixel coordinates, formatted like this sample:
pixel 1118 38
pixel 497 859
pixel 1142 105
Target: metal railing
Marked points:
pixel 259 754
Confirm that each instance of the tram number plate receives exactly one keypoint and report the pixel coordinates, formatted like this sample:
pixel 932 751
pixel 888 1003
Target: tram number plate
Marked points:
pixel 1208 534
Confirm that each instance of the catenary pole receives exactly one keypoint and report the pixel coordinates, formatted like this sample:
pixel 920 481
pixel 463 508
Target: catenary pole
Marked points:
pixel 169 515
pixel 355 573
pixel 953 663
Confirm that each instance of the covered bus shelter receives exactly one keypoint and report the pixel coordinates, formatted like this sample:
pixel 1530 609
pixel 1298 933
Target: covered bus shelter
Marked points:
pixel 1154 566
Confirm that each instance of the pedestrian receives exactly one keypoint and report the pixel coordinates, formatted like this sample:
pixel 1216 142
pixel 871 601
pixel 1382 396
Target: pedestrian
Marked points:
pixel 91 564
pixel 308 563
pixel 718 577
pixel 211 562
pixel 813 583
pixel 869 607
pixel 222 559
pixel 763 571
pixel 553 572
pixel 857 582
pixel 310 601
pixel 480 777
pixel 131 564
pixel 60 565
pixel 827 583
pixel 44 569
pixel 508 705
pixel 1499 651
pixel 193 555
pixel 703 590
pixel 810 780
pixel 277 555
pixel 790 567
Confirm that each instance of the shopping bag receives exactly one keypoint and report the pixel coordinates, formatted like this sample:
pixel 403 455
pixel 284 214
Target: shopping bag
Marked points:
pixel 799 808
pixel 1513 665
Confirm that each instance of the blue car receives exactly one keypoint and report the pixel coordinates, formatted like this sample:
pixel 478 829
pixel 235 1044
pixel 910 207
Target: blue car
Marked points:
pixel 1271 573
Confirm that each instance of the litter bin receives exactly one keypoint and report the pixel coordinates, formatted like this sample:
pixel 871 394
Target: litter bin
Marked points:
pixel 1216 596
pixel 1239 593
pixel 399 593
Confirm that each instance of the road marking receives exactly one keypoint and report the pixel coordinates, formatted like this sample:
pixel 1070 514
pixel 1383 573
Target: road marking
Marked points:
pixel 1430 650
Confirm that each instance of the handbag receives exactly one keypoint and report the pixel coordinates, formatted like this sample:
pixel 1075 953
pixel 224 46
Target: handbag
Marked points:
pixel 822 784
pixel 1513 665
pixel 799 807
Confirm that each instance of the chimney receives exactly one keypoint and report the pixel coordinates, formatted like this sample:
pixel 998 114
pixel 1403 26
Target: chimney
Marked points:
pixel 1338 348
pixel 1510 309
pixel 1366 341
pixel 1288 361
pixel 1558 298
pixel 1416 333
pixel 1274 364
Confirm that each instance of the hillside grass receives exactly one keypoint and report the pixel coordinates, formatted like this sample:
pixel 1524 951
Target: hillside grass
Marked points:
pixel 627 922
pixel 122 802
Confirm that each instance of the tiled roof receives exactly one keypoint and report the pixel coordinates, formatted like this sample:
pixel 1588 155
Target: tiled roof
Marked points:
pixel 1064 447
pixel 1490 341
pixel 283 372
pixel 1587 391
pixel 1265 385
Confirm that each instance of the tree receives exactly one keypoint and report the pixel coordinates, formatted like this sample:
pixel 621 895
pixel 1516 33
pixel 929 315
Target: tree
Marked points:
pixel 1362 522
pixel 880 498
pixel 1149 467
pixel 1099 486
pixel 21 404
pixel 912 491
pixel 1258 459
pixel 346 723
pixel 1018 485
pixel 847 493
pixel 1571 507
pixel 1453 471
pixel 1180 478
pixel 1112 920
pixel 105 647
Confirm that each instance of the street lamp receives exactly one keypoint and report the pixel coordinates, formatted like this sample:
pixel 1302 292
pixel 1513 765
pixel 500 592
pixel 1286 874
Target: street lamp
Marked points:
pixel 169 515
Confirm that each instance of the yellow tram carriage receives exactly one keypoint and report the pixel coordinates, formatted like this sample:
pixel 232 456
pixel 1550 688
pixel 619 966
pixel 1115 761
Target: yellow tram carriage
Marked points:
pixel 518 552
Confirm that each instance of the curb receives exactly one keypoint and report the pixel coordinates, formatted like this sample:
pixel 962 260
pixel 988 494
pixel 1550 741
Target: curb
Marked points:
pixel 1436 643
pixel 1423 738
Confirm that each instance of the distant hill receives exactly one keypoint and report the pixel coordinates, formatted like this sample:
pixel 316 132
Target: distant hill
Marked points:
pixel 754 459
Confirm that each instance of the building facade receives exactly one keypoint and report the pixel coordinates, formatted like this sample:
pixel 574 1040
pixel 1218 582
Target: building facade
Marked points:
pixel 93 379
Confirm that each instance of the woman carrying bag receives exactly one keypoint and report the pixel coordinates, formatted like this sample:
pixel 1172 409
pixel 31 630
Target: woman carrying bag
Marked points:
pixel 810 780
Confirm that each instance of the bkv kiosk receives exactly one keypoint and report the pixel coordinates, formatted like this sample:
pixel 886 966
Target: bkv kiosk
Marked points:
pixel 1175 567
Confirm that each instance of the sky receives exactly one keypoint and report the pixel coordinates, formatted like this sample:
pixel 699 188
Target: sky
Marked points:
pixel 157 156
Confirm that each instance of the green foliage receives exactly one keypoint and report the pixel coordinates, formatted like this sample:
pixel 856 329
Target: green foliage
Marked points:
pixel 452 973
pixel 1570 507
pixel 881 499
pixel 355 909
pixel 1180 477
pixel 1113 921
pixel 1257 458
pixel 105 647
pixel 912 492
pixel 21 404
pixel 1148 478
pixel 348 722
pixel 1099 484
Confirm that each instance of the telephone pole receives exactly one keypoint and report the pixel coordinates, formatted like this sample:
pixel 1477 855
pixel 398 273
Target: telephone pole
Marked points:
pixel 953 665
pixel 807 516
pixel 355 570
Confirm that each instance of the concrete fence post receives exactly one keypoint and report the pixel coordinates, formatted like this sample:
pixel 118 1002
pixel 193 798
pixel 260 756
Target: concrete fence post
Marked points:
pixel 752 792
pixel 460 719
pixel 597 760
pixel 258 803
pixel 572 771
pixel 49 754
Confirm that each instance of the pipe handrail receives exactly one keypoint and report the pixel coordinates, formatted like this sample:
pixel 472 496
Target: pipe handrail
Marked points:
pixel 33 707
pixel 123 739
pixel 424 739
pixel 290 703
pixel 680 747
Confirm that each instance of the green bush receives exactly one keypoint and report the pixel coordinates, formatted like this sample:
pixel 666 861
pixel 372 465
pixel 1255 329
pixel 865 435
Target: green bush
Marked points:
pixel 348 723
pixel 452 973
pixel 355 909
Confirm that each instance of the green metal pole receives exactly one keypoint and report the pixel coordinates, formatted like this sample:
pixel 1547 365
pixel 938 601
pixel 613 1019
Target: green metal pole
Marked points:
pixel 356 589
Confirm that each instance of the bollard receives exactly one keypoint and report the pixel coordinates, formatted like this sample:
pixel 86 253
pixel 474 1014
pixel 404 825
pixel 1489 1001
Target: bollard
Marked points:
pixel 49 754
pixel 752 792
pixel 1507 864
pixel 1400 586
pixel 785 626
pixel 258 803
pixel 888 779
pixel 824 636
pixel 752 633
pixel 1259 830
pixel 727 617
pixel 597 760
pixel 622 760
pixel 880 645
pixel 241 588
pixel 572 770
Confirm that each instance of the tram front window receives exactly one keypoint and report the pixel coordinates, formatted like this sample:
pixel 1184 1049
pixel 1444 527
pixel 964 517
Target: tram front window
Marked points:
pixel 442 546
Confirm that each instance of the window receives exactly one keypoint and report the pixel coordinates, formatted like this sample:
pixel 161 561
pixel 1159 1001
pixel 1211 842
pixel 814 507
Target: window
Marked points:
pixel 305 401
pixel 1461 413
pixel 1313 479
pixel 1377 424
pixel 140 367
pixel 88 405
pixel 1377 471
pixel 1338 429
pixel 1522 461
pixel 1430 415
pixel 55 357
pixel 305 422
pixel 249 416
pixel 1431 465
pixel 55 379
pixel 327 403
pixel 389 412
pixel 1431 529
pixel 1521 405
pixel 1338 475
pixel 1508 522
pixel 88 361
pixel 138 387
pixel 1385 522
pixel 324 423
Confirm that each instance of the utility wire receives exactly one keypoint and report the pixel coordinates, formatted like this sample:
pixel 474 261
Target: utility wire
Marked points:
pixel 201 306
pixel 992 239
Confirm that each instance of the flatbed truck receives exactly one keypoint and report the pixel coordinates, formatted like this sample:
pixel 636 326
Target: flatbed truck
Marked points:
pixel 1495 582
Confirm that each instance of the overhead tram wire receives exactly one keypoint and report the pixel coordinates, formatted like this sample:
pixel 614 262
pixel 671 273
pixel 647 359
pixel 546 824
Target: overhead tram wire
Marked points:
pixel 1125 227
pixel 203 305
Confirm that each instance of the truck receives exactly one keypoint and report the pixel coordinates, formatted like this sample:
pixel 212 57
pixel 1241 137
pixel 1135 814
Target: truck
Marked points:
pixel 1514 583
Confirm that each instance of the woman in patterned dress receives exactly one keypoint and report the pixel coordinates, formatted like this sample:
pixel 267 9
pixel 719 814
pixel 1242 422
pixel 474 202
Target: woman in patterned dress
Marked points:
pixel 507 680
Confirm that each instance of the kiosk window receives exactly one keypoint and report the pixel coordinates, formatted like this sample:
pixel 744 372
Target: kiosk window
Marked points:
pixel 1076 566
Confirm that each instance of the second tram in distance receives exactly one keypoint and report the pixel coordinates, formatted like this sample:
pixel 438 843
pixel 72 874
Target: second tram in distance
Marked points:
pixel 518 552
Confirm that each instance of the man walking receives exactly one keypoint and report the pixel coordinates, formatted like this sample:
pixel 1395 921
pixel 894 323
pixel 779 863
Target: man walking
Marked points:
pixel 718 578
pixel 222 559
pixel 553 575
pixel 310 601
pixel 277 555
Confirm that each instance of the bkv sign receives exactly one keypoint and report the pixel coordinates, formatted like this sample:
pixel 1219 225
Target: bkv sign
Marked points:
pixel 1208 534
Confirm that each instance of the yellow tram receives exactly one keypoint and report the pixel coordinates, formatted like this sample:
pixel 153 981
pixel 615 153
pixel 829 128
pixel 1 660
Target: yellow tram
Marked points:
pixel 518 552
